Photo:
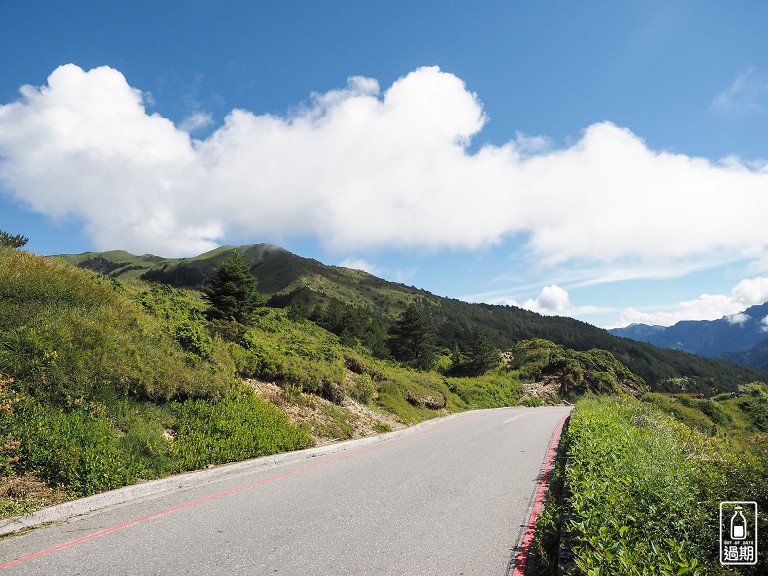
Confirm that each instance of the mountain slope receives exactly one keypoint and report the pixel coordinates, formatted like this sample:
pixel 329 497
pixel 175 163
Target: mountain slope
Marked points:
pixel 287 279
pixel 755 357
pixel 639 332
pixel 737 338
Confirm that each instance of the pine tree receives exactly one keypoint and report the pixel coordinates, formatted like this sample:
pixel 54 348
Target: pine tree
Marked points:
pixel 482 353
pixel 412 338
pixel 16 241
pixel 232 291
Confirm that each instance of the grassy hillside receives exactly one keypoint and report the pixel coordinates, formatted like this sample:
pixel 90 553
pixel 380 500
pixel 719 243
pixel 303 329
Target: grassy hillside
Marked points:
pixel 97 392
pixel 291 281
pixel 106 382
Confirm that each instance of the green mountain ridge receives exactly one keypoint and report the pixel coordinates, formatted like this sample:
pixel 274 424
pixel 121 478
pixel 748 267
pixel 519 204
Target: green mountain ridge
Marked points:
pixel 286 279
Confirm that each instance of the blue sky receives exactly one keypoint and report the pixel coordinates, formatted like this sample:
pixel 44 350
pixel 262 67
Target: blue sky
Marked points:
pixel 605 161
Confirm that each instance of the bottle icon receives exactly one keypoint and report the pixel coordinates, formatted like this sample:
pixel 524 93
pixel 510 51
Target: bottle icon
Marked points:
pixel 738 525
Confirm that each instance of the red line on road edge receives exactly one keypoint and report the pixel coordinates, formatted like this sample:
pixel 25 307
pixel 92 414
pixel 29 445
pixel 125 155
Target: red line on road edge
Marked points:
pixel 521 562
pixel 230 491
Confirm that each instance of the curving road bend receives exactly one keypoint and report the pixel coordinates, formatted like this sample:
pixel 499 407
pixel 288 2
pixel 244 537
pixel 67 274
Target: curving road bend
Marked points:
pixel 450 497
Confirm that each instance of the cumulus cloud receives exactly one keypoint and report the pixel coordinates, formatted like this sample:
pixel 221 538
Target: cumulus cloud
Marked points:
pixel 553 301
pixel 746 293
pixel 363 167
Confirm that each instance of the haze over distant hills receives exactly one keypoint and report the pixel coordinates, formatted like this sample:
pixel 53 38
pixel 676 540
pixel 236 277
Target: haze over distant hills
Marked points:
pixel 740 338
pixel 286 279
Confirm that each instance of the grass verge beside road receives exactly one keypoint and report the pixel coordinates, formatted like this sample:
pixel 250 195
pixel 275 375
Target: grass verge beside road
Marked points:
pixel 637 492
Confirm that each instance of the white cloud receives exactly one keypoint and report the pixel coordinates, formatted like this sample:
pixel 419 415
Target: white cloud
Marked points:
pixel 737 319
pixel 361 264
pixel 363 167
pixel 748 93
pixel 196 121
pixel 764 324
pixel 746 293
pixel 750 292
pixel 554 301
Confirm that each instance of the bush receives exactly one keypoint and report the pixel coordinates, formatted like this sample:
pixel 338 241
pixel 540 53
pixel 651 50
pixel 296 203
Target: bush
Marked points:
pixel 8 445
pixel 493 390
pixel 532 402
pixel 363 389
pixel 755 404
pixel 594 371
pixel 301 354
pixel 182 316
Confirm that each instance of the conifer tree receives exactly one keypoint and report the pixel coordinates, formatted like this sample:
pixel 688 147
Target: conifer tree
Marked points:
pixel 412 338
pixel 232 291
pixel 16 241
pixel 482 353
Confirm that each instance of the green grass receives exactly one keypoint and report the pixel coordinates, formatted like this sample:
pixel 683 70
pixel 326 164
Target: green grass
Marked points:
pixel 739 421
pixel 238 427
pixel 493 390
pixel 65 334
pixel 642 489
pixel 112 383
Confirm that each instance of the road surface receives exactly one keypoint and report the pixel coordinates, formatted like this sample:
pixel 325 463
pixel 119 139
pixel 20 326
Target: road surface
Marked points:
pixel 451 497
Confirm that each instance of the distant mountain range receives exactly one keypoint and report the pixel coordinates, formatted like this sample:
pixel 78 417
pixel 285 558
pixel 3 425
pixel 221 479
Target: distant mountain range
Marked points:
pixel 740 338
pixel 286 279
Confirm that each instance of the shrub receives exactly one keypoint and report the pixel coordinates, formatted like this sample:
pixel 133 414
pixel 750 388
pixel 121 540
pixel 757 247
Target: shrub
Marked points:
pixel 532 402
pixel 183 317
pixel 302 354
pixel 8 445
pixel 493 390
pixel 596 371
pixel 363 389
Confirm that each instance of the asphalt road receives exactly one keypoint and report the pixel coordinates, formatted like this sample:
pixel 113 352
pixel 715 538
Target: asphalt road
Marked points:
pixel 449 498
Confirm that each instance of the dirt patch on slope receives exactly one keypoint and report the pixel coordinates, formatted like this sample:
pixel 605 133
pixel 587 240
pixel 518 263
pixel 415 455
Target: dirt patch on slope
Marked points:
pixel 326 422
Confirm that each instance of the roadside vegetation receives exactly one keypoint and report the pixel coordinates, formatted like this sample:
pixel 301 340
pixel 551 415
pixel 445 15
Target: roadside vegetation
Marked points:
pixel 638 483
pixel 103 386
